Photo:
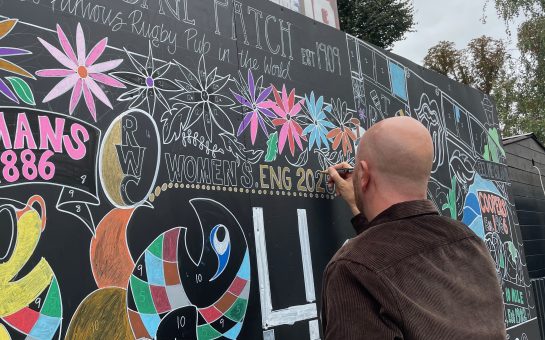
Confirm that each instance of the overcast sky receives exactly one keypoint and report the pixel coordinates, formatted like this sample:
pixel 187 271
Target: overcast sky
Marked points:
pixel 455 20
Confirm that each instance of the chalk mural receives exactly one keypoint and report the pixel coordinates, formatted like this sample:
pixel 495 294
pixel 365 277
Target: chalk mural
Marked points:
pixel 159 167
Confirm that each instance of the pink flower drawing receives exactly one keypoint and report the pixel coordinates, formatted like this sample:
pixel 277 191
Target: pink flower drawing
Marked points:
pixel 287 109
pixel 82 74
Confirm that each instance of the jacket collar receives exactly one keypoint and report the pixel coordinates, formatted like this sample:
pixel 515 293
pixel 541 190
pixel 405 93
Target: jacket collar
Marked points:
pixel 400 211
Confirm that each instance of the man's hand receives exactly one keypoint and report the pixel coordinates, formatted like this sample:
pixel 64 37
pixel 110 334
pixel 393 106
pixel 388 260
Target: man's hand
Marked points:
pixel 344 186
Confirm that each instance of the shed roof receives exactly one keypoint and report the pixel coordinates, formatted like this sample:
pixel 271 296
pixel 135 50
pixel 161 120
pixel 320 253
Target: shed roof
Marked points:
pixel 518 138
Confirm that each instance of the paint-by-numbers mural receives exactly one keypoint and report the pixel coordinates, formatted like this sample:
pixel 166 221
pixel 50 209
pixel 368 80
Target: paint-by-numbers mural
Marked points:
pixel 160 167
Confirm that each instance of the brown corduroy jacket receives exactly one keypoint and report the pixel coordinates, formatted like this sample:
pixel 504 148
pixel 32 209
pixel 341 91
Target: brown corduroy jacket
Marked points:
pixel 412 274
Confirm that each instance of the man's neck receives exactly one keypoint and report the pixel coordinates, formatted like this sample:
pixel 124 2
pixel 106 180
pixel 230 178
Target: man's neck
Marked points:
pixel 383 202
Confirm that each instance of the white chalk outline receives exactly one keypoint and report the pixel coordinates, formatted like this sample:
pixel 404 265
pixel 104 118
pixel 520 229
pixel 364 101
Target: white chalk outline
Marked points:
pixel 60 204
pixel 101 151
pixel 13 231
pixel 270 318
pixel 306 256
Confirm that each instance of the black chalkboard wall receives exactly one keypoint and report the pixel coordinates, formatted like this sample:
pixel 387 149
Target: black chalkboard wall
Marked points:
pixel 159 167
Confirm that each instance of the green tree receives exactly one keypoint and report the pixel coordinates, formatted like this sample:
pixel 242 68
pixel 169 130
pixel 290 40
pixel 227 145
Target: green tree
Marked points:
pixel 530 107
pixel 510 9
pixel 506 93
pixel 480 64
pixel 521 94
pixel 443 58
pixel 446 59
pixel 380 22
pixel 487 60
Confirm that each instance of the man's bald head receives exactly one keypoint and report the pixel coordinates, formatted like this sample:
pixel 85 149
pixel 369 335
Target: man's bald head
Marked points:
pixel 399 155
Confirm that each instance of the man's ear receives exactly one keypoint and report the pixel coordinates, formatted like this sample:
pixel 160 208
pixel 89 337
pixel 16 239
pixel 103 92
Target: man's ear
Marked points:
pixel 365 175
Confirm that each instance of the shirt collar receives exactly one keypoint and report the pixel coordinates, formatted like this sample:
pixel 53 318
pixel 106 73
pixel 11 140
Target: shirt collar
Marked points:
pixel 398 212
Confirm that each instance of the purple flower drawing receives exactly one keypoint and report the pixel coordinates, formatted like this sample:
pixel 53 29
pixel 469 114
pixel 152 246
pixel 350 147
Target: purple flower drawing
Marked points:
pixel 253 96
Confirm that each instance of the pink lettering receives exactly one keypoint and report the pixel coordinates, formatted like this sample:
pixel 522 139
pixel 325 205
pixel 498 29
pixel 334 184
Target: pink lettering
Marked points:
pixel 23 132
pixel 50 137
pixel 78 152
pixel 4 134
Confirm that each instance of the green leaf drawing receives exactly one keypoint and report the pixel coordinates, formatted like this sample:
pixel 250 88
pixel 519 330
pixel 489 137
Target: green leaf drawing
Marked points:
pixel 486 154
pixel 22 90
pixel 513 251
pixel 451 200
pixel 493 150
pixel 272 148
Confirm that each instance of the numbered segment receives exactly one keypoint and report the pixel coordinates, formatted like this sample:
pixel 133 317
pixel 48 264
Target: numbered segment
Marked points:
pixel 159 306
pixel 101 315
pixel 31 304
pixel 155 285
pixel 43 317
pixel 16 295
pixel 179 324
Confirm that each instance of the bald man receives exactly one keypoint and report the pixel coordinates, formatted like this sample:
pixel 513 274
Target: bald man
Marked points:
pixel 410 273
